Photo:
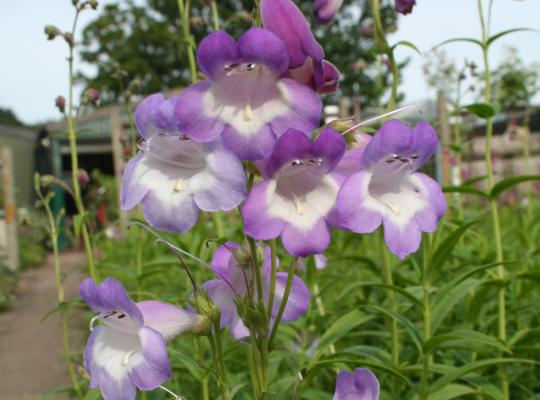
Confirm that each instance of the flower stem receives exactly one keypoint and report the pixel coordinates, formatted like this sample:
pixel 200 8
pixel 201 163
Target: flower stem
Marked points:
pixel 394 333
pixel 273 259
pixel 72 136
pixel 204 382
pixel 184 8
pixel 217 352
pixel 427 358
pixel 215 15
pixel 493 202
pixel 288 285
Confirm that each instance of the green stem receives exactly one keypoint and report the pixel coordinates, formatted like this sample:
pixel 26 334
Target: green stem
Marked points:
pixel 184 8
pixel 204 382
pixel 217 352
pixel 288 285
pixel 217 217
pixel 273 260
pixel 427 358
pixel 493 202
pixel 256 268
pixel 72 136
pixel 394 333
pixel 215 15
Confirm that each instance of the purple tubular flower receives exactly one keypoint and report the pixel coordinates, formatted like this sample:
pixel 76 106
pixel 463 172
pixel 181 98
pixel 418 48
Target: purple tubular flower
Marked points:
pixel 128 350
pixel 389 191
pixel 325 10
pixel 404 6
pixel 306 74
pixel 297 196
pixel 247 101
pixel 174 177
pixel 361 384
pixel 231 284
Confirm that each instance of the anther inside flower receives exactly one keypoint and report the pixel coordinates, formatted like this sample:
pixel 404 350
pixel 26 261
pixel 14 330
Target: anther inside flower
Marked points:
pixel 127 350
pixel 389 191
pixel 298 194
pixel 173 177
pixel 247 101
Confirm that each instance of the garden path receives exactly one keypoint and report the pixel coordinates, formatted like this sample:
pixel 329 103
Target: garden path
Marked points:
pixel 31 350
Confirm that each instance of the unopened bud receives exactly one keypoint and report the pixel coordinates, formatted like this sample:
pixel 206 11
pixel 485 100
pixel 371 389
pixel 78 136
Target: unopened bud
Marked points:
pixel 204 306
pixel 51 31
pixel 68 37
pixel 91 96
pixel 60 103
pixel 93 4
pixel 46 180
pixel 82 176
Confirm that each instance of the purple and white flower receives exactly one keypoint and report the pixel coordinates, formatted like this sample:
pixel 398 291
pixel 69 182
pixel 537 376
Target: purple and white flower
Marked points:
pixel 361 384
pixel 247 101
pixel 231 284
pixel 128 350
pixel 390 192
pixel 174 177
pixel 325 10
pixel 298 193
pixel 404 6
pixel 306 55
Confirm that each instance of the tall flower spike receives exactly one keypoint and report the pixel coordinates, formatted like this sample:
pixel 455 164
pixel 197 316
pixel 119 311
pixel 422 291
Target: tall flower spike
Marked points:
pixel 246 101
pixel 306 55
pixel 231 284
pixel 173 177
pixel 296 199
pixel 360 384
pixel 390 192
pixel 128 351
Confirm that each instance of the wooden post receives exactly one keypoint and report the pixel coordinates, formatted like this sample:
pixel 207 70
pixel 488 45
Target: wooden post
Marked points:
pixel 12 250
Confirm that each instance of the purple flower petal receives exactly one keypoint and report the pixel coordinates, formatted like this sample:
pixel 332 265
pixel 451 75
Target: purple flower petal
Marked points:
pixel 260 46
pixel 330 146
pixel 290 146
pixel 156 368
pixel 168 320
pixel 402 240
pixel 146 115
pixel 303 243
pixel 258 222
pixel 286 20
pixel 131 191
pixel 404 6
pixel 164 212
pixel 223 258
pixel 325 10
pixel 361 384
pixel 216 51
pixel 298 301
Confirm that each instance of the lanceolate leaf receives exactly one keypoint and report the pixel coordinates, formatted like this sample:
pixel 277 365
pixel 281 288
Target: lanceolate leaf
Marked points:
pixel 452 392
pixel 406 44
pixel 467 336
pixel 470 367
pixel 465 189
pixel 458 40
pixel 482 110
pixel 396 289
pixel 509 182
pixel 507 32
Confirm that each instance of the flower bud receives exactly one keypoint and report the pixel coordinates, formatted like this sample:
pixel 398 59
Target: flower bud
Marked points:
pixel 93 4
pixel 404 6
pixel 204 306
pixel 51 31
pixel 68 37
pixel 60 103
pixel 82 176
pixel 46 180
pixel 91 96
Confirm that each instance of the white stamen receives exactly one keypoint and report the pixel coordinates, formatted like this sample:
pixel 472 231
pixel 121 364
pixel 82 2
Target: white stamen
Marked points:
pixel 248 112
pixel 395 209
pixel 94 318
pixel 176 397
pixel 178 185
pixel 125 360
pixel 300 207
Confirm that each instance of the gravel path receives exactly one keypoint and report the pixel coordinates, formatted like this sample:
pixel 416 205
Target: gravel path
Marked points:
pixel 31 351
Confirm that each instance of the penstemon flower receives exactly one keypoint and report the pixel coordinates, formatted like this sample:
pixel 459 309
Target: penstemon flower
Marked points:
pixel 325 10
pixel 128 351
pixel 173 177
pixel 296 198
pixel 360 384
pixel 390 192
pixel 247 101
pixel 231 285
pixel 306 55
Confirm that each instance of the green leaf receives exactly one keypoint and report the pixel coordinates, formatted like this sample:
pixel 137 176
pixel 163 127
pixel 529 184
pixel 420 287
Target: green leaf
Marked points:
pixel 408 44
pixel 473 366
pixel 78 221
pixel 453 391
pixel 93 394
pixel 409 326
pixel 472 181
pixel 465 189
pixel 457 40
pixel 482 110
pixel 507 32
pixel 441 255
pixel 396 289
pixel 467 336
pixel 509 182
pixel 340 328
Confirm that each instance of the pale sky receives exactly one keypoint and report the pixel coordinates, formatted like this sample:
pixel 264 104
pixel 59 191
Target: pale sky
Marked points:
pixel 33 71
